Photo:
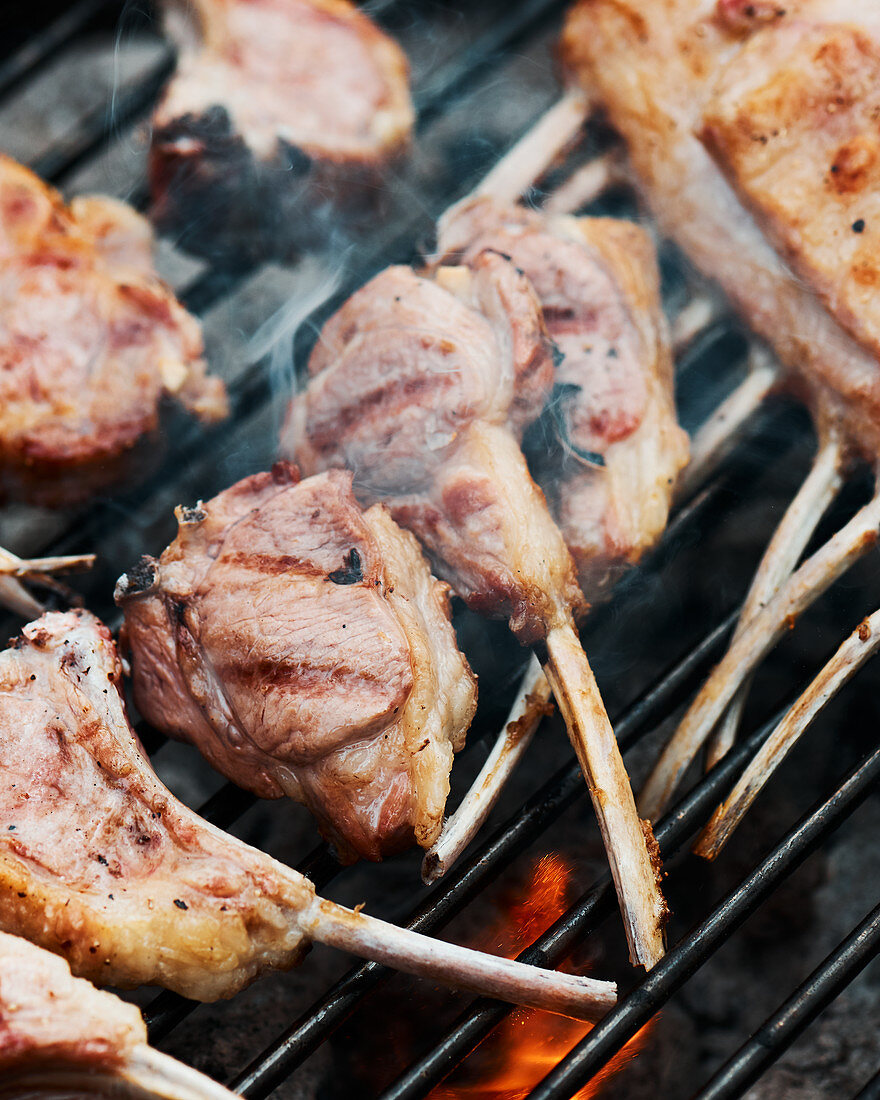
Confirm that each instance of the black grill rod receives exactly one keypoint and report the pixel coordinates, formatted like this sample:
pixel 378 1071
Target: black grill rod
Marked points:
pixel 466 879
pixel 871 1091
pixel 780 1030
pixel 484 1015
pixel 631 1014
pixel 94 130
pixel 39 49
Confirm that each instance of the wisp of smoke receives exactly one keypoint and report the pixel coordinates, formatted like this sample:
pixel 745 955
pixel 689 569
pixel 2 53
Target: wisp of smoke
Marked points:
pixel 275 340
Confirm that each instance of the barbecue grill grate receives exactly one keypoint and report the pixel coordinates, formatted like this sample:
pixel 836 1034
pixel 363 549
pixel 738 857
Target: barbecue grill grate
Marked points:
pixel 471 56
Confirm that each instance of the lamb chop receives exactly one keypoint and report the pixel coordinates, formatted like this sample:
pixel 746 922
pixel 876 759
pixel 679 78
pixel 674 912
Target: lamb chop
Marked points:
pixel 621 448
pixel 280 111
pixel 303 645
pixel 101 864
pixel 422 387
pixel 750 131
pixel 59 1030
pixel 610 457
pixel 91 342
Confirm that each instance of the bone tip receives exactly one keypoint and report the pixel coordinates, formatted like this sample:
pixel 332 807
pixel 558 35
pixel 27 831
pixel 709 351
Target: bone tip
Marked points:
pixel 433 867
pixel 190 517
pixel 141 579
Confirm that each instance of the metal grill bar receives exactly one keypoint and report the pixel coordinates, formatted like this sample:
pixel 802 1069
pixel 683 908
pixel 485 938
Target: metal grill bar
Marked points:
pixel 781 1029
pixel 622 1023
pixel 93 131
pixel 40 48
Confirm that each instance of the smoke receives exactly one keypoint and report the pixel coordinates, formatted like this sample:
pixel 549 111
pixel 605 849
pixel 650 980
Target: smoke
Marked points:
pixel 274 342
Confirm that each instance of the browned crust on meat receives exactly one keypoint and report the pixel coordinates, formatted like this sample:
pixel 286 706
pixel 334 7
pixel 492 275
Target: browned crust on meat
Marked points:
pixel 92 343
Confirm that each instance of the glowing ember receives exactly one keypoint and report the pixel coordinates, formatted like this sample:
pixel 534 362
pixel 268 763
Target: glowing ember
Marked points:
pixel 528 1044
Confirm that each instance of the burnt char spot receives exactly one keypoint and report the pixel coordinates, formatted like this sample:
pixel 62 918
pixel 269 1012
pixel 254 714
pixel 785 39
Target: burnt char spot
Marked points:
pixel 193 515
pixel 141 576
pixel 180 904
pixel 853 164
pixel 285 473
pixel 352 571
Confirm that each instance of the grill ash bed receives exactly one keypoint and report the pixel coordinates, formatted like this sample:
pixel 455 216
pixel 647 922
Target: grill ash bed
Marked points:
pixel 759 943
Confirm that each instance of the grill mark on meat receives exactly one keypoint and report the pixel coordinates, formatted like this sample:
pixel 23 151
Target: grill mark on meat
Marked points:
pixel 391 396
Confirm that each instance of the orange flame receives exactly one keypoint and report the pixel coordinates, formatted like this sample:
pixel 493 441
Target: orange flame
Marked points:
pixel 529 1044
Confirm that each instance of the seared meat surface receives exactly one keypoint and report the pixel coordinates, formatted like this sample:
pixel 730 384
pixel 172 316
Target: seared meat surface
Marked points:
pixel 98 861
pixel 423 387
pixel 752 131
pixel 303 645
pixel 48 1015
pixel 618 445
pixel 275 105
pixel 90 340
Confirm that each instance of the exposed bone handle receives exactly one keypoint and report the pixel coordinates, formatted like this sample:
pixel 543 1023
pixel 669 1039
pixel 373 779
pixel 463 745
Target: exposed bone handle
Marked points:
pixel 522 721
pixel 815 576
pixel 169 1079
pixel 858 648
pixel 635 876
pixel 460 967
pixel 789 541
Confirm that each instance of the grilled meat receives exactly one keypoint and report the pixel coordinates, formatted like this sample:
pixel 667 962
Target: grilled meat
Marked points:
pixel 60 1035
pixel 618 447
pixel 90 341
pixel 751 128
pixel 303 645
pixel 47 1015
pixel 98 861
pixel 277 106
pixel 101 864
pixel 422 387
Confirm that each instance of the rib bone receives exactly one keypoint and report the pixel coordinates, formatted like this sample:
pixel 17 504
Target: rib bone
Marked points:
pixel 167 1078
pixel 789 541
pixel 13 569
pixel 487 975
pixel 531 704
pixel 588 183
pixel 636 878
pixel 854 652
pixel 813 578
pixel 157 1074
pixel 536 150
